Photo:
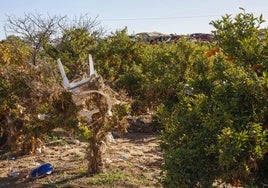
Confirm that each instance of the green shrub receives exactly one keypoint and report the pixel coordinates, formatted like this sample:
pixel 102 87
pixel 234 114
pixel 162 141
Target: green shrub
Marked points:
pixel 217 130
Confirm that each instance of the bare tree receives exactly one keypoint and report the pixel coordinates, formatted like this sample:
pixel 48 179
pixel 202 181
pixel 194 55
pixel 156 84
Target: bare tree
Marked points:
pixel 92 25
pixel 35 29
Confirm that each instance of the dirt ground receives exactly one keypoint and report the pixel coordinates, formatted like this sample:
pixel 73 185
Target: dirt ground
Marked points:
pixel 133 160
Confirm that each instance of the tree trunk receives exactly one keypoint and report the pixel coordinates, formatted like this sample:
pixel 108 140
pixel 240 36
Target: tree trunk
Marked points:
pixel 94 157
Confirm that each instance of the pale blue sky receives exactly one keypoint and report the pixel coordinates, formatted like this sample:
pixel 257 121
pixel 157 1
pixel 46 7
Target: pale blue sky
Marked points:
pixel 165 16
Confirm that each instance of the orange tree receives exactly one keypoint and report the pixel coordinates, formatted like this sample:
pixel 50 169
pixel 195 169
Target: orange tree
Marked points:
pixel 149 73
pixel 217 130
pixel 29 93
pixel 244 142
pixel 117 56
pixel 118 60
pixel 73 48
pixel 11 84
pixel 165 68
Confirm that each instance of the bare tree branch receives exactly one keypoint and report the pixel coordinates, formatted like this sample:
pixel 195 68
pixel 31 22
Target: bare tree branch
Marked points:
pixel 35 29
pixel 92 25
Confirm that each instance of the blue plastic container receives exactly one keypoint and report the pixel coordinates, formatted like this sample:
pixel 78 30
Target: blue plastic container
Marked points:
pixel 41 171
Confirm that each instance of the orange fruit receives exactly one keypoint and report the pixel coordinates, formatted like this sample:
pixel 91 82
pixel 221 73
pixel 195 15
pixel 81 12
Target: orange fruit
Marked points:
pixel 229 58
pixel 213 52
pixel 209 54
pixel 256 67
pixel 236 182
pixel 217 49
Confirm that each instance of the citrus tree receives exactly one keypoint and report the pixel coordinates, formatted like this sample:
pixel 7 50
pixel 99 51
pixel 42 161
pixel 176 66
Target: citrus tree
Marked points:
pixel 28 94
pixel 217 129
pixel 73 49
